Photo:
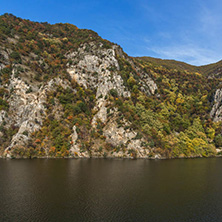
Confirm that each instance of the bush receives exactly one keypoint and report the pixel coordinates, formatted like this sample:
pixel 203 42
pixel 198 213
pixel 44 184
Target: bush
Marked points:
pixel 218 140
pixel 26 133
pixel 15 56
pixel 6 71
pixel 3 104
pixel 113 92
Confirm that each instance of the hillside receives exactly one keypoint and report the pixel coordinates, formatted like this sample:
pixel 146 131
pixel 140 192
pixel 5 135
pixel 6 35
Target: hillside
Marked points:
pixel 213 70
pixel 169 64
pixel 66 92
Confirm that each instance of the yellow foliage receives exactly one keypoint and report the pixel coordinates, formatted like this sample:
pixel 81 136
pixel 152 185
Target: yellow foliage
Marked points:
pixel 179 101
pixel 210 133
pixel 198 74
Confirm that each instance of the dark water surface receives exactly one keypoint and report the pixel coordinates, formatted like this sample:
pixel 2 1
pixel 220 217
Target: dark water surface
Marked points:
pixel 111 190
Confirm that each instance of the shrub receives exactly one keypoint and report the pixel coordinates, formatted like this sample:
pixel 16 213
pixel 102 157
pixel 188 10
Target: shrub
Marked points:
pixel 15 56
pixel 218 140
pixel 113 92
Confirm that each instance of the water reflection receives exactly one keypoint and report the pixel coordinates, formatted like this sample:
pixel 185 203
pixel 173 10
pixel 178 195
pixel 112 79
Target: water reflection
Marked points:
pixel 111 190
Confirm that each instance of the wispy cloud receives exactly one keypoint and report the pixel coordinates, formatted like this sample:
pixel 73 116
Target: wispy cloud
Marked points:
pixel 197 43
pixel 210 20
pixel 189 53
pixel 169 31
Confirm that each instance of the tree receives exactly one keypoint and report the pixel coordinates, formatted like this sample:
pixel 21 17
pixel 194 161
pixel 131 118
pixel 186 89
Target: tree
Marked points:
pixel 218 140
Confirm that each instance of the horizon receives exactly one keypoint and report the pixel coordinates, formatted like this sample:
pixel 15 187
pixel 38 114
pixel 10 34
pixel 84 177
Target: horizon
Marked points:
pixel 186 32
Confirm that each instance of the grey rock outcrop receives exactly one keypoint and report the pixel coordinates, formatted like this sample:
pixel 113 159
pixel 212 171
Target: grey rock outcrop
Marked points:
pixel 27 110
pixel 92 70
pixel 125 138
pixel 75 149
pixel 216 112
pixel 92 67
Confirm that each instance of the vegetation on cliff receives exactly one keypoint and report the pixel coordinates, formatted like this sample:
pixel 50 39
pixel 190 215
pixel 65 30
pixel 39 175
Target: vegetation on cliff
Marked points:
pixel 78 87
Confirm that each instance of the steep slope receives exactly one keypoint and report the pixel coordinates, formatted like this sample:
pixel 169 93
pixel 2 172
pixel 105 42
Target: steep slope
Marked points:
pixel 211 71
pixel 59 87
pixel 66 92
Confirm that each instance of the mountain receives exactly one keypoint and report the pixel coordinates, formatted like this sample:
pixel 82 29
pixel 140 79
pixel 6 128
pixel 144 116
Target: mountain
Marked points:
pixel 66 92
pixel 211 71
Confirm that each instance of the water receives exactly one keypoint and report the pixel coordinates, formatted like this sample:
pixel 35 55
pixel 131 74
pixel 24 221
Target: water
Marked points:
pixel 111 190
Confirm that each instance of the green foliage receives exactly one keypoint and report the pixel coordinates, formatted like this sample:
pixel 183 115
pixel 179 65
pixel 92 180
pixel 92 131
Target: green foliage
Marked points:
pixel 3 104
pixel 26 133
pixel 175 122
pixel 218 140
pixel 6 71
pixel 113 92
pixel 55 132
pixel 5 74
pixel 131 82
pixel 66 97
pixel 15 56
pixel 50 42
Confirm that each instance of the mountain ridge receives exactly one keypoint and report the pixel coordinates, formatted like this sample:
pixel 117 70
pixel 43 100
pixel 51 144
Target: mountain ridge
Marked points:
pixel 208 69
pixel 66 92
pixel 152 59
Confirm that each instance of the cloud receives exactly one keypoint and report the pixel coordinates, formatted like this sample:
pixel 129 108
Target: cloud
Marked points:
pixel 210 21
pixel 197 43
pixel 188 53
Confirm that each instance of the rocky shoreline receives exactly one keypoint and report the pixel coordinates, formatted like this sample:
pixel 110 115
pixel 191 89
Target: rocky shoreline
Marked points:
pixel 108 157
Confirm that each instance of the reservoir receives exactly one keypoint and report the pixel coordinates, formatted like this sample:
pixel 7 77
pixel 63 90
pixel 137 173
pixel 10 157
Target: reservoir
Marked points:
pixel 111 190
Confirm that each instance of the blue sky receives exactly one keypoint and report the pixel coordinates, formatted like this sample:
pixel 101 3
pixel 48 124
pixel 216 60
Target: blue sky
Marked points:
pixel 188 31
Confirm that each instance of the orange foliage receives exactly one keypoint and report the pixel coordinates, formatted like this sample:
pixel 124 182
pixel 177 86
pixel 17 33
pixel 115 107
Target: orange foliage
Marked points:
pixel 37 141
pixel 70 117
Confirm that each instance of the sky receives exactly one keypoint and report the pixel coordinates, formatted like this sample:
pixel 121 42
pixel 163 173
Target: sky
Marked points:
pixel 188 31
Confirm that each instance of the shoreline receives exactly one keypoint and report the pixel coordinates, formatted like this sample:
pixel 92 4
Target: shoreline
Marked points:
pixel 117 158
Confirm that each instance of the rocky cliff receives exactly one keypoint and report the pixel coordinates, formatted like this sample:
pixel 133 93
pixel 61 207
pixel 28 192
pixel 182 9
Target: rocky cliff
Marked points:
pixel 66 92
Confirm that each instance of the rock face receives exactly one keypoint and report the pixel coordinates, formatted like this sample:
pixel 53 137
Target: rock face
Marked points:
pixel 75 147
pixel 147 84
pixel 216 112
pixel 119 137
pixel 92 67
pixel 92 70
pixel 27 110
pixel 66 92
